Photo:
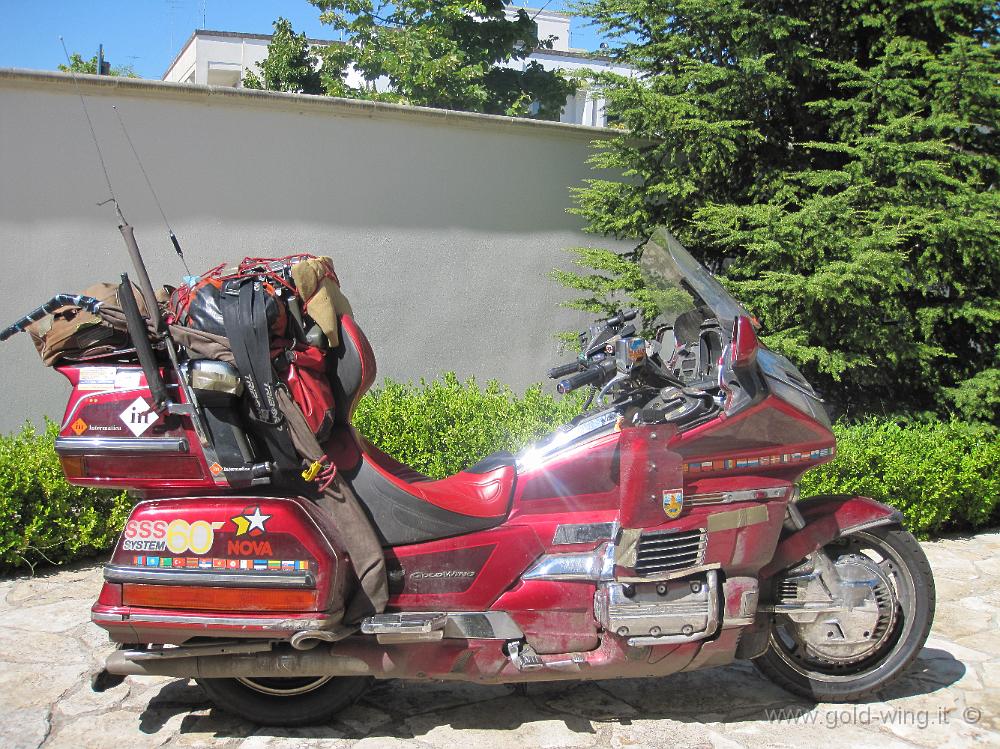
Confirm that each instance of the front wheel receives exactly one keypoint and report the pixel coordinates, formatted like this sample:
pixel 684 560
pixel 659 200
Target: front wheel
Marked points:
pixel 286 701
pixel 846 655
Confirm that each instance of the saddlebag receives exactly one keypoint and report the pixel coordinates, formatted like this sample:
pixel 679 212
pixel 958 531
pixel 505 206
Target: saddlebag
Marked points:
pixel 241 566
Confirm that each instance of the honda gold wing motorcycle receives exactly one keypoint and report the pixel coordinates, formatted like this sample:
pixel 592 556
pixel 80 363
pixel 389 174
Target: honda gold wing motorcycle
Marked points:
pixel 659 531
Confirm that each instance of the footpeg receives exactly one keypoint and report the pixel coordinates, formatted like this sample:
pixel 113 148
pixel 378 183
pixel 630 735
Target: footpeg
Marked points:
pixel 407 627
pixel 523 656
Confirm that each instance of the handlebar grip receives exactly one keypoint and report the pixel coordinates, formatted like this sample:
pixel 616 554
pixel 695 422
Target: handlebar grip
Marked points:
pixel 59 300
pixel 590 376
pixel 622 317
pixel 563 370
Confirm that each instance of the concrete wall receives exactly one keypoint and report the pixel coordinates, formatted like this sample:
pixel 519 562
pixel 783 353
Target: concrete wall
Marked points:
pixel 443 226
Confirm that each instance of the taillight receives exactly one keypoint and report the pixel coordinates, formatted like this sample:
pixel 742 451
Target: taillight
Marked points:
pixel 111 595
pixel 98 467
pixel 217 599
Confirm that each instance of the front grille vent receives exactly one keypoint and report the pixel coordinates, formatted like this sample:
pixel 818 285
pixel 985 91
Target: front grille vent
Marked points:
pixel 668 551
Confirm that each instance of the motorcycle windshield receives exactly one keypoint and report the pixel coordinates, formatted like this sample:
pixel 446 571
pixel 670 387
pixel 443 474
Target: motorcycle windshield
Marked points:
pixel 684 294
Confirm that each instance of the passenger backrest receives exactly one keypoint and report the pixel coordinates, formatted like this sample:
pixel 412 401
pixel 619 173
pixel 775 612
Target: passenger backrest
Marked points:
pixel 353 365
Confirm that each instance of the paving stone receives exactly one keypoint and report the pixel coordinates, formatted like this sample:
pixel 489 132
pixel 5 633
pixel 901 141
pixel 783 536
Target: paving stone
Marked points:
pixel 115 728
pixel 23 728
pixel 281 738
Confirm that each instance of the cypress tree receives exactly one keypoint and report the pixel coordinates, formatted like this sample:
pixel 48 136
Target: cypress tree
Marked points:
pixel 837 163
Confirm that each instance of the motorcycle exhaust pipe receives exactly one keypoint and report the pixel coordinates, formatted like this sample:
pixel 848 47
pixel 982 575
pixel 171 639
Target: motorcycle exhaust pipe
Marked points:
pixel 283 663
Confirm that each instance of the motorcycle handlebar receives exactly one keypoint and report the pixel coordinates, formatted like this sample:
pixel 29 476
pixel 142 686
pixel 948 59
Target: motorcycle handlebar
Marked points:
pixel 563 369
pixel 590 376
pixel 59 300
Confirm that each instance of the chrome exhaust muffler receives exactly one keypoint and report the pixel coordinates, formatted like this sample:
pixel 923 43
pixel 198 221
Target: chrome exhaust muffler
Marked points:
pixel 279 662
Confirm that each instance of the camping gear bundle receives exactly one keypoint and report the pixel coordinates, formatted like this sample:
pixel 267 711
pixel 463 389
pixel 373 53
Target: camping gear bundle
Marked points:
pixel 275 320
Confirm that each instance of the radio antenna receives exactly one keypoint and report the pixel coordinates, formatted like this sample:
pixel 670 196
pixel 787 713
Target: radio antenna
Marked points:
pixel 93 134
pixel 160 330
pixel 149 184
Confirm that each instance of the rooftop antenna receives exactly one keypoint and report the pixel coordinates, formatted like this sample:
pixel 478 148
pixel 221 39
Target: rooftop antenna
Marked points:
pixel 156 199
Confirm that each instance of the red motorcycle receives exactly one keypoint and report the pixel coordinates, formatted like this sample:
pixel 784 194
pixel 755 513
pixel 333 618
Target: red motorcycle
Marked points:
pixel 659 531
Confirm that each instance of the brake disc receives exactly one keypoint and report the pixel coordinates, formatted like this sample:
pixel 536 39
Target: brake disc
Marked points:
pixel 856 631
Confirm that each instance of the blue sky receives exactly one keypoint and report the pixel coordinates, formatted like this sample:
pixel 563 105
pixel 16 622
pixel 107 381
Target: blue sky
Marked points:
pixel 146 34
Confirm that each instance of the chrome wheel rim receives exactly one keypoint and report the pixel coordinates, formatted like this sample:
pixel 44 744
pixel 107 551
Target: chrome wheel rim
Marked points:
pixel 786 639
pixel 284 687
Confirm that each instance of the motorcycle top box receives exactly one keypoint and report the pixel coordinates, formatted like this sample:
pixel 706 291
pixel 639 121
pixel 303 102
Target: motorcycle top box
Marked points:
pixel 112 435
pixel 284 561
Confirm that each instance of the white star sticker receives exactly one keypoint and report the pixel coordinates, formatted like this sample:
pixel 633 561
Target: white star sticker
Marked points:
pixel 256 520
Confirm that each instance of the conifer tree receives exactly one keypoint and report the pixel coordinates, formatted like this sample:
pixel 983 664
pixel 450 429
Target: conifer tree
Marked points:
pixel 837 162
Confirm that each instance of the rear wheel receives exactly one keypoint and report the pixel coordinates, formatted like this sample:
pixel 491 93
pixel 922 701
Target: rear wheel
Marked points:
pixel 286 701
pixel 848 654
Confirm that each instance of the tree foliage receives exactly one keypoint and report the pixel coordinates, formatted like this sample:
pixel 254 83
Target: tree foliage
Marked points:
pixel 89 67
pixel 450 54
pixel 289 66
pixel 838 163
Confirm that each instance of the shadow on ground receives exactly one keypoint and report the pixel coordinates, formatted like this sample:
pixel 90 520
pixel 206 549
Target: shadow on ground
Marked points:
pixel 407 710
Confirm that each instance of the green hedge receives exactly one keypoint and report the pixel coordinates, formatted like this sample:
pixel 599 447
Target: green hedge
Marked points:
pixel 445 425
pixel 43 519
pixel 943 476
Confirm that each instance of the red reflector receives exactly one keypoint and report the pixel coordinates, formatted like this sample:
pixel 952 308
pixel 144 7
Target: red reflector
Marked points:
pixel 132 466
pixel 218 599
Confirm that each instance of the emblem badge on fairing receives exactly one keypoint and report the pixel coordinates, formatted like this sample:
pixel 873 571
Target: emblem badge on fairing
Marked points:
pixel 442 574
pixel 138 417
pixel 673 503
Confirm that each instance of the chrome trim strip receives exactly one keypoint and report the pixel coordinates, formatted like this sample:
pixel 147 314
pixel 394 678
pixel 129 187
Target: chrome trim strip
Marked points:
pixel 81 445
pixel 96 616
pixel 896 517
pixel 235 578
pixel 435 625
pixel 535 455
pixel 584 533
pixel 587 566
pixel 742 495
pixel 289 625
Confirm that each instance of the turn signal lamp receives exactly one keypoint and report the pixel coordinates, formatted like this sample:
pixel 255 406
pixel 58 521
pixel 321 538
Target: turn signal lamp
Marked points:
pixel 744 341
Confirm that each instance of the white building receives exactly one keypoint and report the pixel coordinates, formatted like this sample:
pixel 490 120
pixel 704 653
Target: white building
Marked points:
pixel 219 58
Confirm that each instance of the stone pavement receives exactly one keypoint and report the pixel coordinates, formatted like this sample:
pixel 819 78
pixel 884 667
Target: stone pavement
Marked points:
pixel 950 698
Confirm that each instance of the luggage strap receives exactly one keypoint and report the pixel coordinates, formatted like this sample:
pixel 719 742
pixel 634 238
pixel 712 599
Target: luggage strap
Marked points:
pixel 244 314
